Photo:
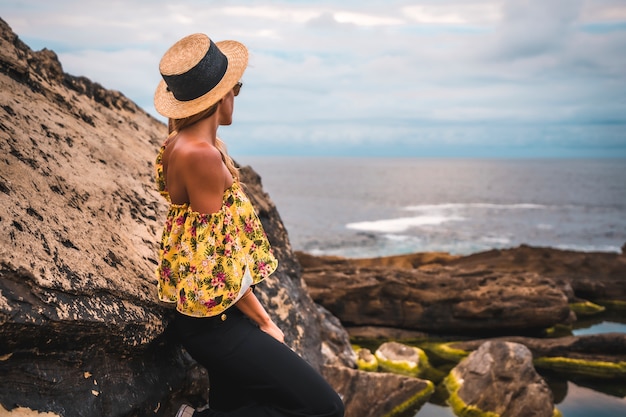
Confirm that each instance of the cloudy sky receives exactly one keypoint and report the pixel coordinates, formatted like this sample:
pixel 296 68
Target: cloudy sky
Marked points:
pixel 433 78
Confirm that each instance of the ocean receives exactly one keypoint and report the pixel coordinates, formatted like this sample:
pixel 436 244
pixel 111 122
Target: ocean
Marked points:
pixel 367 207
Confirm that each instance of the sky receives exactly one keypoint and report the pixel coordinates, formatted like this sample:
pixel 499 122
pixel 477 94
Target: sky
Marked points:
pixel 392 78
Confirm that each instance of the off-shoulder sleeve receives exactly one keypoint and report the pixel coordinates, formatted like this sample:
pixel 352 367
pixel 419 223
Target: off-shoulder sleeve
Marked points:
pixel 205 257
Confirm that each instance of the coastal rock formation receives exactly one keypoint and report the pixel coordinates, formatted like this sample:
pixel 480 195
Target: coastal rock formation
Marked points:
pixel 593 276
pixel 370 394
pixel 445 300
pixel 597 356
pixel 81 332
pixel 499 378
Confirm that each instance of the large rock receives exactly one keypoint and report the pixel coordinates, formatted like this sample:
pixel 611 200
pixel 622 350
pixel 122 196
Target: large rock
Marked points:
pixel 437 299
pixel 370 394
pixel 593 356
pixel 81 332
pixel 595 276
pixel 499 378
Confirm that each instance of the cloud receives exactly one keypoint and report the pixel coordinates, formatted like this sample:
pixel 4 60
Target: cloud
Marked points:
pixel 455 14
pixel 357 73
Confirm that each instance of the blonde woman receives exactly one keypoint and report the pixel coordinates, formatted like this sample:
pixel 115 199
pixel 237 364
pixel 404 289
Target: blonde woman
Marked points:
pixel 214 250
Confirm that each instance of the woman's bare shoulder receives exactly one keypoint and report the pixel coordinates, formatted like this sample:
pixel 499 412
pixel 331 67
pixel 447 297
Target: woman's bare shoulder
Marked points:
pixel 198 152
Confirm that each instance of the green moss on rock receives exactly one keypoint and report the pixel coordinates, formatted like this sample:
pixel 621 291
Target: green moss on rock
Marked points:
pixel 365 361
pixel 459 406
pixel 416 400
pixel 586 308
pixel 461 409
pixel 446 351
pixel 414 363
pixel 596 369
pixel 618 305
pixel 558 330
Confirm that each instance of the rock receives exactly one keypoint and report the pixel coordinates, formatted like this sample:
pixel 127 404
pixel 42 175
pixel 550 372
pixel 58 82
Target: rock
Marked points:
pixel 586 308
pixel 443 300
pixel 373 394
pixel 365 360
pixel 336 347
pixel 596 356
pixel 593 276
pixel 382 334
pixel 499 378
pixel 80 325
pixel 402 359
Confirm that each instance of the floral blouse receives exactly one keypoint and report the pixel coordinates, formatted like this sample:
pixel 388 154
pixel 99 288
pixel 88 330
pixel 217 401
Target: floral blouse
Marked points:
pixel 208 261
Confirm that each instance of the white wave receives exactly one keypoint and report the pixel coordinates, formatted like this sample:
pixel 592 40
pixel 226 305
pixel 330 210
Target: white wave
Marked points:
pixel 460 206
pixel 497 240
pixel 589 248
pixel 401 224
pixel 401 238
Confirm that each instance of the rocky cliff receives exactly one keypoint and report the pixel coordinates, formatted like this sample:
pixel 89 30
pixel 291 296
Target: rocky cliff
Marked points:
pixel 514 291
pixel 81 331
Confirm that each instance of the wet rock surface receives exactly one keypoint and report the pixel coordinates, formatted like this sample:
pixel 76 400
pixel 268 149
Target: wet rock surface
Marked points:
pixel 499 377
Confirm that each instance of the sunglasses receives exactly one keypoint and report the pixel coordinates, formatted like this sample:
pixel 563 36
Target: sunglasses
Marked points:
pixel 237 88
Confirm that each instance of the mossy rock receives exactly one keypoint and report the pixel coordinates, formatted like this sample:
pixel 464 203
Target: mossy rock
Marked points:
pixel 558 330
pixel 365 360
pixel 581 367
pixel 415 402
pixel 586 308
pixel 446 352
pixel 461 409
pixel 617 305
pixel 402 359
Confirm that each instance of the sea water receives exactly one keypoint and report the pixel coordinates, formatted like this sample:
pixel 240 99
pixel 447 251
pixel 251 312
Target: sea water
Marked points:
pixel 367 207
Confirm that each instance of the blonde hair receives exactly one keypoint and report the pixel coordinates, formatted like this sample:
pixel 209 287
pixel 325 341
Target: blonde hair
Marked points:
pixel 176 125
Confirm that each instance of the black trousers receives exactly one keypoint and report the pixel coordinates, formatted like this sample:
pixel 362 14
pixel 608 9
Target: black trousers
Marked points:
pixel 252 374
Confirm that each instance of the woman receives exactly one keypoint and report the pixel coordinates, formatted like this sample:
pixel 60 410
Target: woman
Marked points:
pixel 214 251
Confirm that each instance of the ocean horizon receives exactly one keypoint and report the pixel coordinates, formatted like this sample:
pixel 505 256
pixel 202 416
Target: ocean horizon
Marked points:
pixel 369 207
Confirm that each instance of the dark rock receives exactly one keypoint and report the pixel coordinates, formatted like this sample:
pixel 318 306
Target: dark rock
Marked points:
pixel 370 394
pixel 594 276
pixel 437 300
pixel 499 377
pixel 597 356
pixel 336 346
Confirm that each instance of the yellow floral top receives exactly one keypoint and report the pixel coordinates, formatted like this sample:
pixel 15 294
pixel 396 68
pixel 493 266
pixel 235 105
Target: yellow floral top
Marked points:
pixel 208 261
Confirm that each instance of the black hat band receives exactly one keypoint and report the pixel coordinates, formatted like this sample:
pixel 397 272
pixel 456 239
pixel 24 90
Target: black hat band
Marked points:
pixel 200 79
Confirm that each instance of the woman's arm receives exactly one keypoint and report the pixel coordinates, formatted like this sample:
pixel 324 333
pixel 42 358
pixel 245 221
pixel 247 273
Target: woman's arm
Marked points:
pixel 204 177
pixel 251 307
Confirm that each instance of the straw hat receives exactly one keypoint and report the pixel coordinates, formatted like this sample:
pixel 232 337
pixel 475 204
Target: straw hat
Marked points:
pixel 197 73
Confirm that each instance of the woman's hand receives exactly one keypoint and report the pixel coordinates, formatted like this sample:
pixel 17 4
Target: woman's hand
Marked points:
pixel 272 329
pixel 251 307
